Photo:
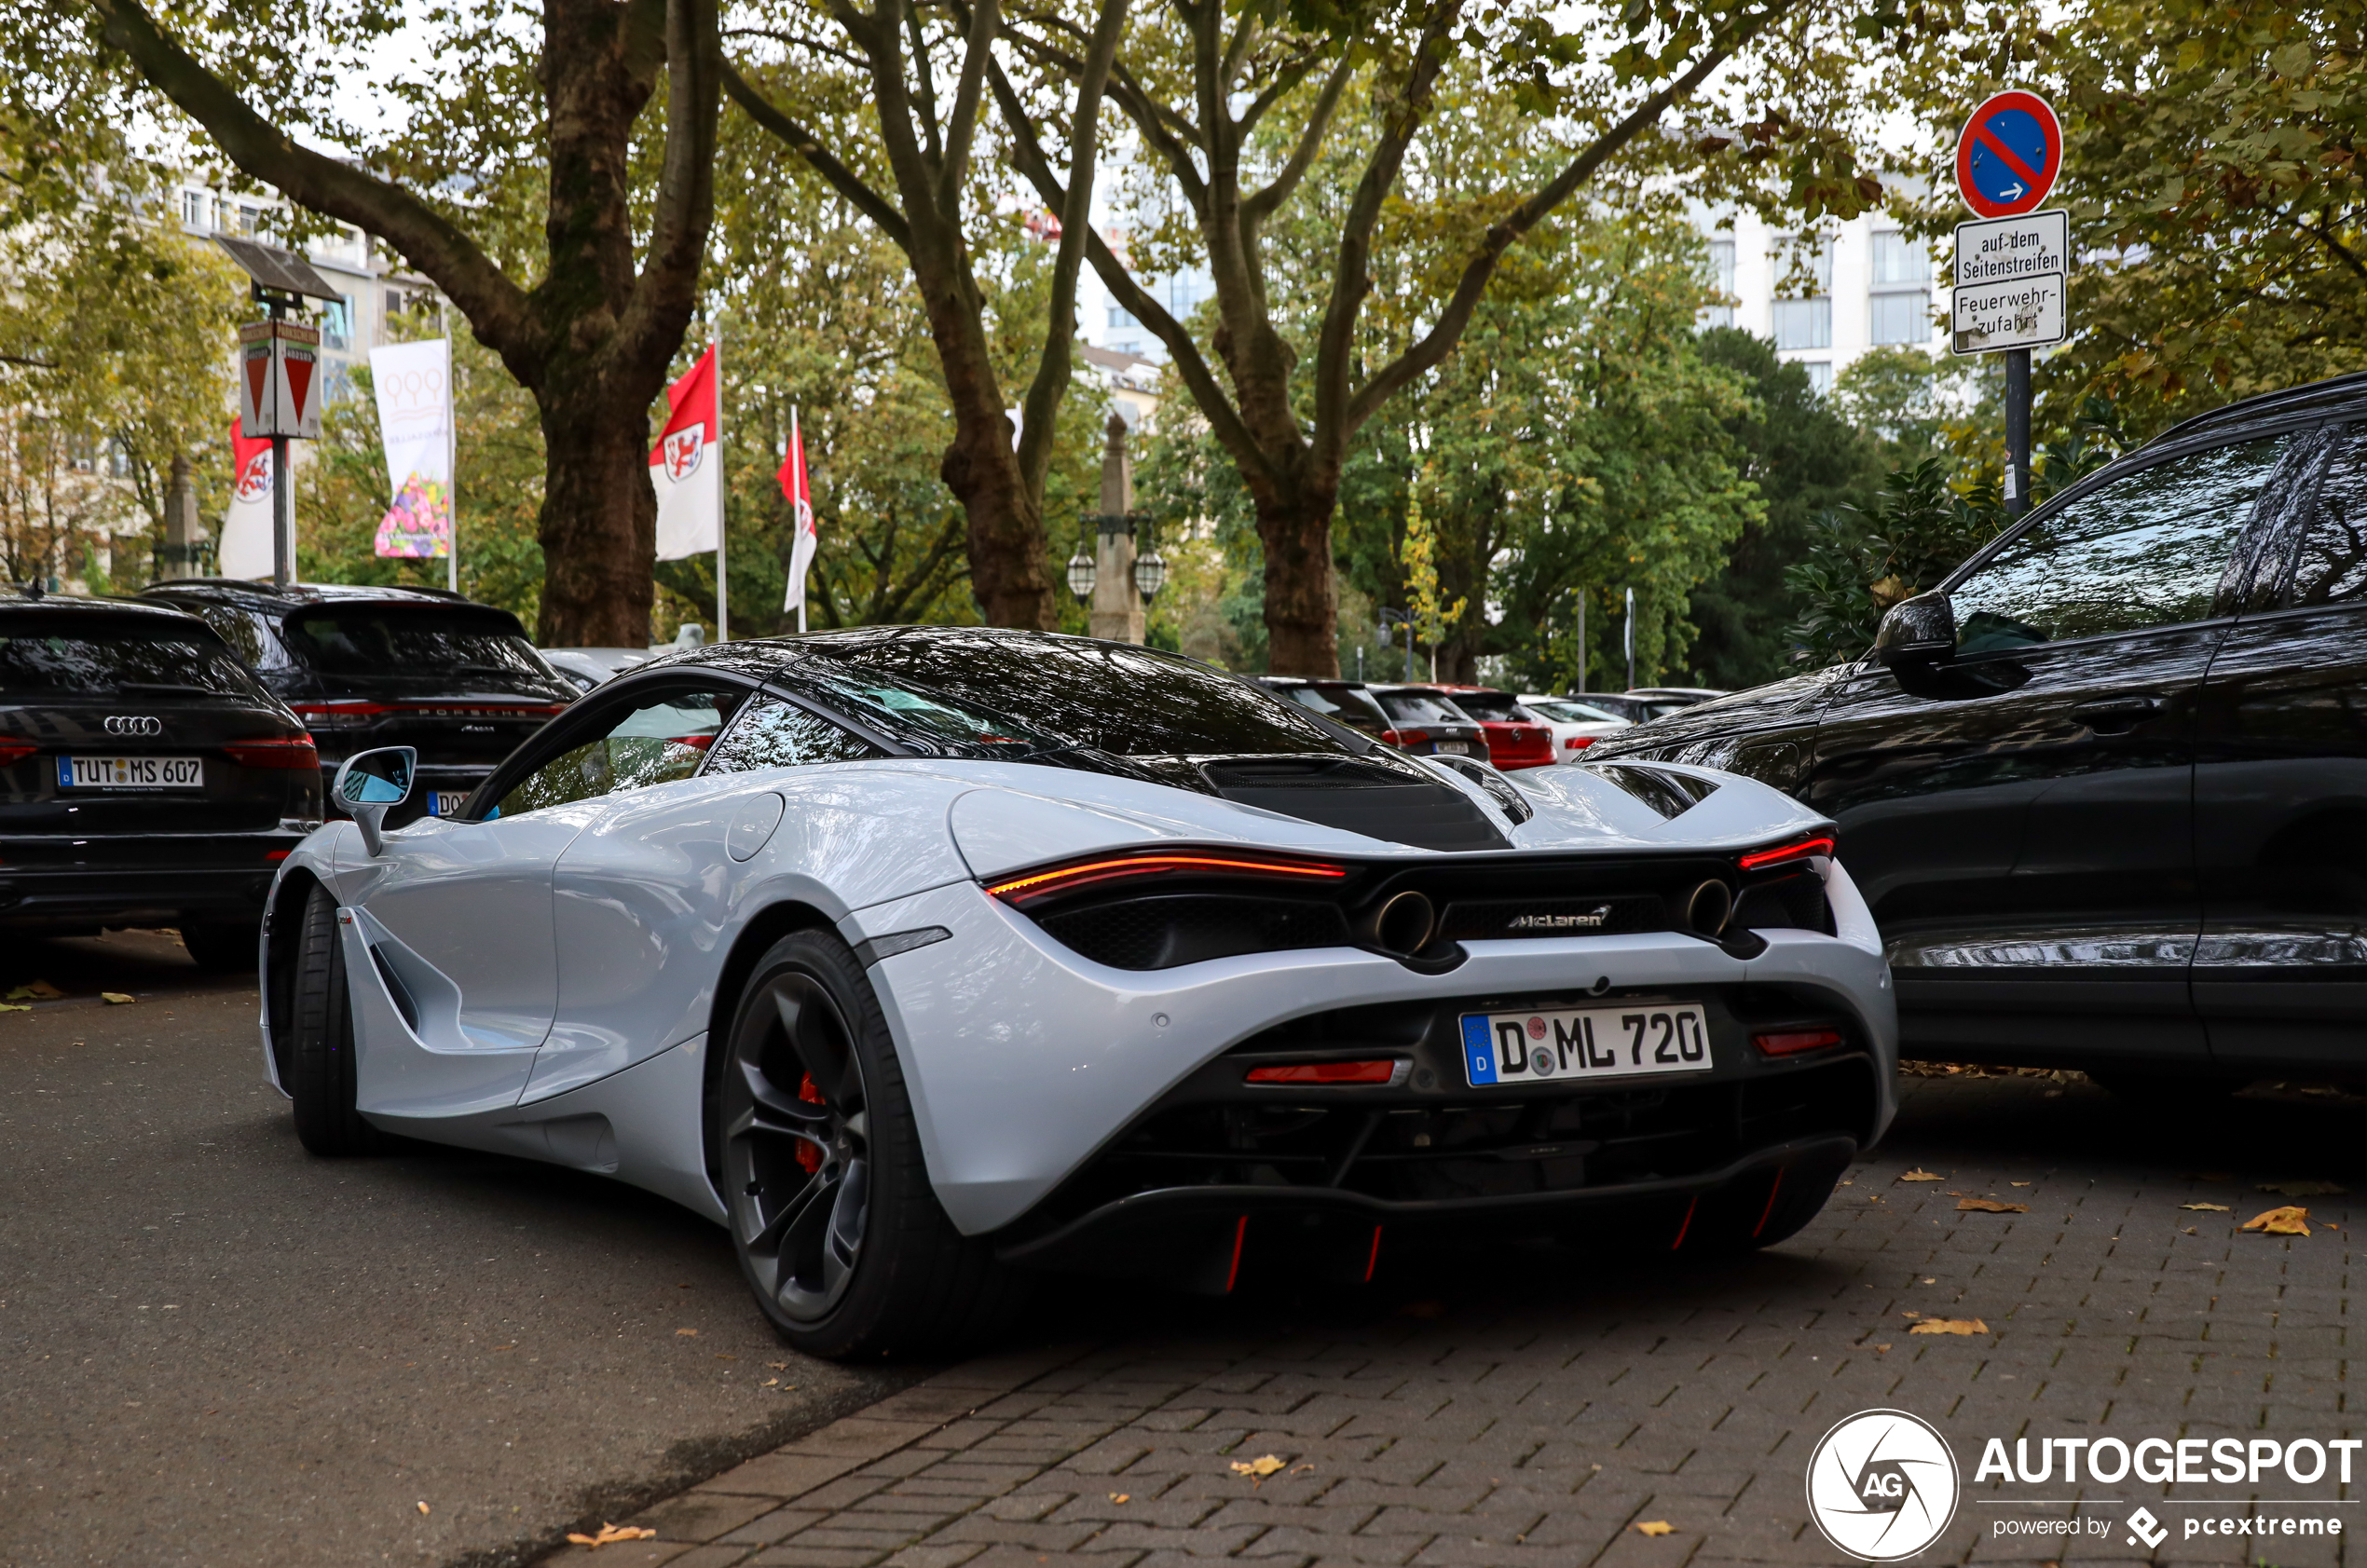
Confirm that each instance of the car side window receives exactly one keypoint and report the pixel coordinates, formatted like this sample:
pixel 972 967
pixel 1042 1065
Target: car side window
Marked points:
pixel 777 734
pixel 2145 551
pixel 2329 561
pixel 657 740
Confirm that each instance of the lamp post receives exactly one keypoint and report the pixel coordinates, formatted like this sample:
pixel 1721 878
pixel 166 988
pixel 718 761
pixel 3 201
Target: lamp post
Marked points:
pixel 1399 618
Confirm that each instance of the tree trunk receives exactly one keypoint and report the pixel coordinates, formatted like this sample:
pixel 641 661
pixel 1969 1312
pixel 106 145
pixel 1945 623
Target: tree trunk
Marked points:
pixel 1007 541
pixel 599 518
pixel 1302 596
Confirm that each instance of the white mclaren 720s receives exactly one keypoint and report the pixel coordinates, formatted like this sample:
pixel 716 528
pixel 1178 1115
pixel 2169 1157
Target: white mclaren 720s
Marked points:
pixel 925 959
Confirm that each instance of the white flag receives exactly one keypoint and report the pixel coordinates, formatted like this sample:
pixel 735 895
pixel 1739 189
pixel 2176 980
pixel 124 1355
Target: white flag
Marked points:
pixel 246 527
pixel 414 383
pixel 687 466
pixel 798 485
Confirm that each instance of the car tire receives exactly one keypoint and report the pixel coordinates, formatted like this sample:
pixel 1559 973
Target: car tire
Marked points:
pixel 839 1234
pixel 321 1038
pixel 223 947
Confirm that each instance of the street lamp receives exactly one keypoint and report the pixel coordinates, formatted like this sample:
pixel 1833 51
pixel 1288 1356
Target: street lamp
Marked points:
pixel 1083 575
pixel 1150 575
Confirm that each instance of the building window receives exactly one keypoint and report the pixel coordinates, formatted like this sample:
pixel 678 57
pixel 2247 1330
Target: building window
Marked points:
pixel 1902 318
pixel 250 218
pixel 1804 323
pixel 193 209
pixel 1121 317
pixel 1721 277
pixel 1902 302
pixel 1820 375
pixel 337 322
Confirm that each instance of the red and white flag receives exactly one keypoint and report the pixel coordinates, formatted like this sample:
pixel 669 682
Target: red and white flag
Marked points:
pixel 245 549
pixel 798 485
pixel 687 465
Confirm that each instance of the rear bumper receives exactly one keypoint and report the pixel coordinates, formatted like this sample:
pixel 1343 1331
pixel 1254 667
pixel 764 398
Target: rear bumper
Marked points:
pixel 157 882
pixel 1211 1237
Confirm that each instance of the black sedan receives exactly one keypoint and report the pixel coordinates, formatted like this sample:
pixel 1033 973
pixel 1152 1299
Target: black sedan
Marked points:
pixel 2106 788
pixel 368 667
pixel 145 777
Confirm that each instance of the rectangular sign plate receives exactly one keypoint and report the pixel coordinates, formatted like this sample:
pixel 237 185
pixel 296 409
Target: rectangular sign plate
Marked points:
pixel 2009 250
pixel 1634 1040
pixel 2025 314
pixel 130 773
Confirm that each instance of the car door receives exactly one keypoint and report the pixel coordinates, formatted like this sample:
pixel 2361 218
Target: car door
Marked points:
pixel 458 913
pixel 643 894
pixel 2280 790
pixel 2021 820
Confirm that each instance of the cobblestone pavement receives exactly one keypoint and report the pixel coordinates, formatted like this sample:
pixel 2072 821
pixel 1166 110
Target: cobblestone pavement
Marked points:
pixel 1544 1407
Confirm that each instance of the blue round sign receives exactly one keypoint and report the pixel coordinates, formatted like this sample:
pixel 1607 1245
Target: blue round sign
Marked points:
pixel 2009 155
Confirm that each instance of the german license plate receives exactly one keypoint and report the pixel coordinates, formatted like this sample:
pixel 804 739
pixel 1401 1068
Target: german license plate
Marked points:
pixel 446 802
pixel 130 773
pixel 1455 749
pixel 1647 1038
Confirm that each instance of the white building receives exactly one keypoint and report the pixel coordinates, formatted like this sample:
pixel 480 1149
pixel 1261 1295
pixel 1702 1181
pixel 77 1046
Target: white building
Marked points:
pixel 1866 285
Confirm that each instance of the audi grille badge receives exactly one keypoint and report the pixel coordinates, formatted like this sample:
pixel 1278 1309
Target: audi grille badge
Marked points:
pixel 134 724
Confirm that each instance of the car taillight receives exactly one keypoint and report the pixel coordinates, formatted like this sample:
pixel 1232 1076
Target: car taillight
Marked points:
pixel 16 751
pixel 293 751
pixel 1406 737
pixel 338 716
pixel 1060 878
pixel 275 855
pixel 1378 1071
pixel 1791 1043
pixel 1578 742
pixel 1807 849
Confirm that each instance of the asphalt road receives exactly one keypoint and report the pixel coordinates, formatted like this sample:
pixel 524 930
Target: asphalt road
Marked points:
pixel 218 1349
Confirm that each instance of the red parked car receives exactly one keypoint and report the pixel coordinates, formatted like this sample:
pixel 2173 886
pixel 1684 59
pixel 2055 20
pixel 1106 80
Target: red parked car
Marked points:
pixel 1516 738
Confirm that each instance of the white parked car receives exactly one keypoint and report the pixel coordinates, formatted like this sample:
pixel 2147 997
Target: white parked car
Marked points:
pixel 1576 725
pixel 919 958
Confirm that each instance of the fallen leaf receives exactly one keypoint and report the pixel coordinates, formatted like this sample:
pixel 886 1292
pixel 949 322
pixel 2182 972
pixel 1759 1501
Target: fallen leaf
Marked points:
pixel 117 999
pixel 1990 1206
pixel 2301 1189
pixel 2190 1231
pixel 687 1333
pixel 1910 1315
pixel 1929 1280
pixel 1949 1325
pixel 1263 1465
pixel 15 1006
pixel 611 1534
pixel 1121 1496
pixel 778 1366
pixel 720 1357
pixel 423 1508
pixel 2017 1184
pixel 1920 1175
pixel 2286 1222
pixel 2213 1207
pixel 1884 1348
pixel 769 1383
pixel 1656 1527
pixel 36 990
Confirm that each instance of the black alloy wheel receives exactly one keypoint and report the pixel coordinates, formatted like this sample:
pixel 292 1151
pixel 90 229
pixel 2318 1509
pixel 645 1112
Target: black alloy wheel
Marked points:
pixel 320 1057
pixel 838 1231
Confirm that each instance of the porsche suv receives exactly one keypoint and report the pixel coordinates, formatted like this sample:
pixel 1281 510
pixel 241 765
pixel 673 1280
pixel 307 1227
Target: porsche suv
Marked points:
pixel 2106 787
pixel 366 667
pixel 145 777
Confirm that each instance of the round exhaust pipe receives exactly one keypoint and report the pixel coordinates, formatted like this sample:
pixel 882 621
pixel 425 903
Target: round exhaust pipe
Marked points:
pixel 1708 908
pixel 1402 925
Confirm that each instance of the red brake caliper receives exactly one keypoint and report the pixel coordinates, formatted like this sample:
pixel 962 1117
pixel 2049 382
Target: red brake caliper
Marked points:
pixel 808 1155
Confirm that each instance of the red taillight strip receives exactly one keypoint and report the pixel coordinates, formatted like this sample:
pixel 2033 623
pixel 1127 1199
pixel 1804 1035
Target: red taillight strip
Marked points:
pixel 1142 865
pixel 16 751
pixel 1789 1042
pixel 1806 849
pixel 1379 1071
pixel 294 751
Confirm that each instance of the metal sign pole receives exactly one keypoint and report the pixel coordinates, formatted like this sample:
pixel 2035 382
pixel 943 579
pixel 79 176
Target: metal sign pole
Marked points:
pixel 283 496
pixel 2016 431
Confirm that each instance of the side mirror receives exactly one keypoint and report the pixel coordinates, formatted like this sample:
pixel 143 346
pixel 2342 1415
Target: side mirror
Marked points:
pixel 1917 630
pixel 370 784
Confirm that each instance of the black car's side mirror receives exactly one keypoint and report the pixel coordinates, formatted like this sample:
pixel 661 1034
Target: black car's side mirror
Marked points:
pixel 1916 631
pixel 370 784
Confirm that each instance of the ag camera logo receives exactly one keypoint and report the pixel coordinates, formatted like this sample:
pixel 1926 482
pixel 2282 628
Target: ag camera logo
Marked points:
pixel 1882 1485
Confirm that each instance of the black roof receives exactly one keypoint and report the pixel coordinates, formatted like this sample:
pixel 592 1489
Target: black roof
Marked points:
pixel 2317 396
pixel 298 596
pixel 63 605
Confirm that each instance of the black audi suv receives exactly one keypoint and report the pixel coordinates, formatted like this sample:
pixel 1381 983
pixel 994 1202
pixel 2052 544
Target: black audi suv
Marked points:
pixel 2106 787
pixel 145 777
pixel 366 667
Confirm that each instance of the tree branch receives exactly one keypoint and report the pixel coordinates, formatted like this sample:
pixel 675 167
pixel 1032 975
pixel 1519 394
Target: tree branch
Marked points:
pixel 1500 236
pixel 798 41
pixel 1157 125
pixel 861 196
pixel 969 88
pixel 498 309
pixel 659 308
pixel 1260 205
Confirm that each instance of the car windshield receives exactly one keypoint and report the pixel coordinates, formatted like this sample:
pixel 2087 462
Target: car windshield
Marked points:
pixel 401 639
pixel 1420 707
pixel 1348 704
pixel 1492 707
pixel 1574 713
pixel 58 658
pixel 1036 693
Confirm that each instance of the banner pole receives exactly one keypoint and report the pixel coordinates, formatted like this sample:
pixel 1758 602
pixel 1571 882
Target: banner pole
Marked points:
pixel 451 451
pixel 797 444
pixel 722 497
